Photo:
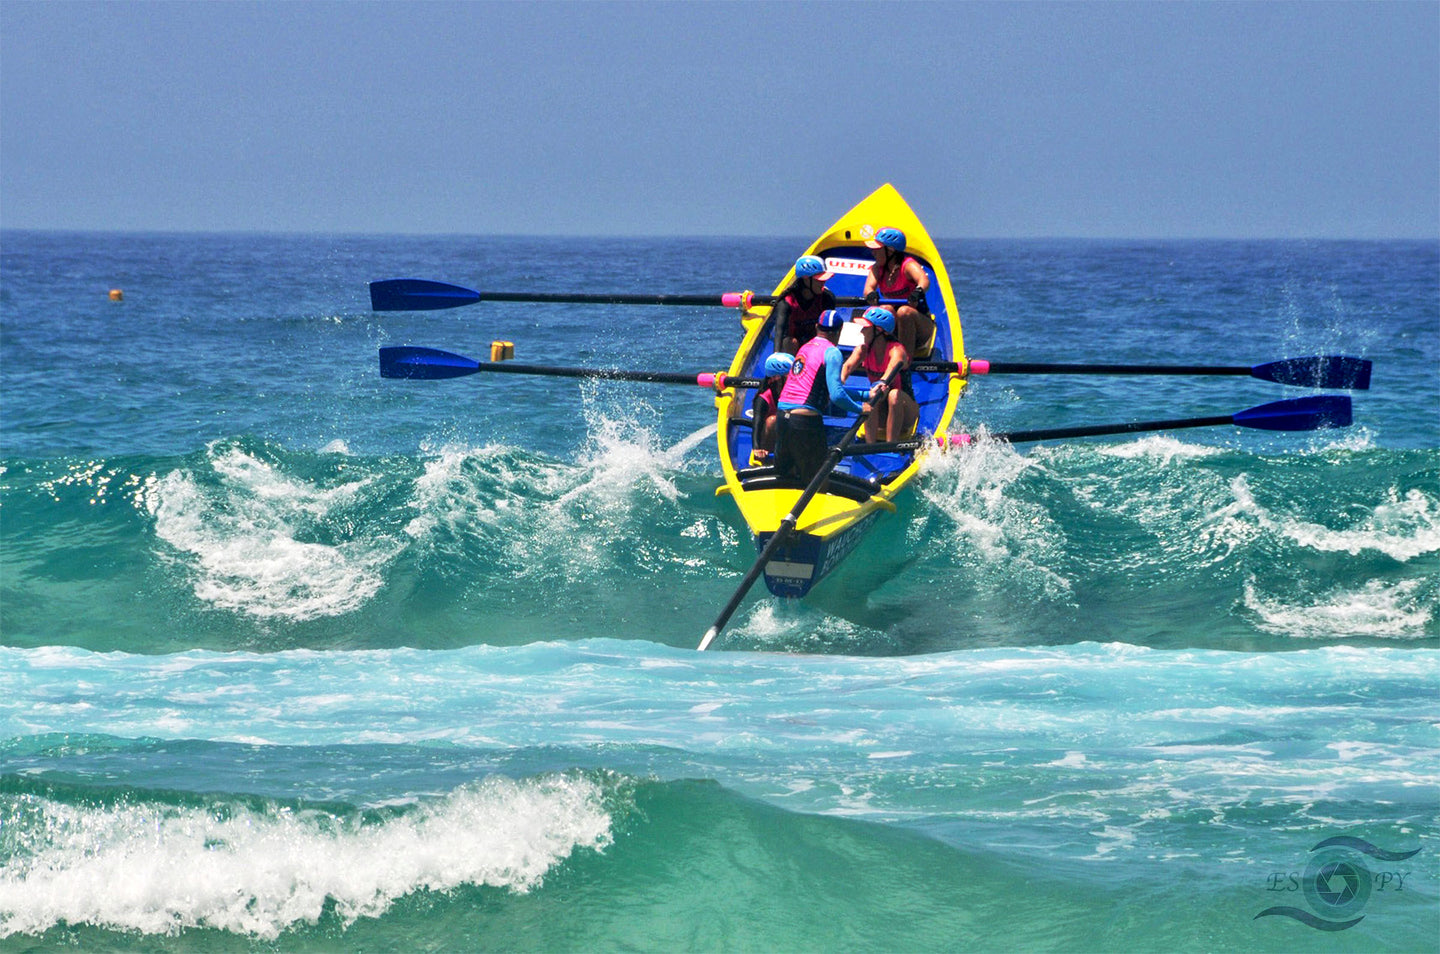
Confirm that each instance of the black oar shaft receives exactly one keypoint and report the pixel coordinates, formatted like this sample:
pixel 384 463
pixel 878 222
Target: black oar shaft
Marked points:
pixel 787 523
pixel 782 533
pixel 1296 414
pixel 1020 367
pixel 1100 430
pixel 408 361
pixel 566 298
pixel 1316 371
pixel 1049 434
pixel 891 447
pixel 422 294
pixel 608 374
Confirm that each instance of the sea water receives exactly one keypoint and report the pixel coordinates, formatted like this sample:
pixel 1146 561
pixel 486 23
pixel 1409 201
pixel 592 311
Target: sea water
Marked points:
pixel 293 657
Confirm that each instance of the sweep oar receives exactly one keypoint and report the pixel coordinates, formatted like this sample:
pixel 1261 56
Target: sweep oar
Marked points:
pixel 787 524
pixel 422 294
pixel 1296 414
pixel 434 364
pixel 1319 371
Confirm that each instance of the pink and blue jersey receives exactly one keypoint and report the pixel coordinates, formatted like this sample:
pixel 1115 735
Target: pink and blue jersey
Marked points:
pixel 806 386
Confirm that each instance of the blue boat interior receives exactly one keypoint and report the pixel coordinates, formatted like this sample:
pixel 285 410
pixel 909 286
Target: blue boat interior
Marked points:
pixel 856 476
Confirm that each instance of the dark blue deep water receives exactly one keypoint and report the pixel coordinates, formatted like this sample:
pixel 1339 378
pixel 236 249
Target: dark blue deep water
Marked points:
pixel 295 657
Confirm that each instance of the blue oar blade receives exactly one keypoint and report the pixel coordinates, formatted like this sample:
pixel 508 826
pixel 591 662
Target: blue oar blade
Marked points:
pixel 1323 371
pixel 425 363
pixel 1298 414
pixel 418 294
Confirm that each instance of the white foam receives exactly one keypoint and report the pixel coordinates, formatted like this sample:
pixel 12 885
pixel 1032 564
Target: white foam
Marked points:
pixel 243 543
pixel 623 455
pixel 968 487
pixel 443 496
pixel 1402 528
pixel 158 869
pixel 777 623
pixel 1377 609
pixel 1112 838
pixel 1071 760
pixel 1159 447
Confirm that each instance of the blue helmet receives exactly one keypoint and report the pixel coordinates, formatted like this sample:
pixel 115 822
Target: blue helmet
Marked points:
pixel 811 266
pixel 778 363
pixel 893 239
pixel 831 318
pixel 881 318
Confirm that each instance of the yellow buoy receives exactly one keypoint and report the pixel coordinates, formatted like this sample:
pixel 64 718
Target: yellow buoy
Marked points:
pixel 117 295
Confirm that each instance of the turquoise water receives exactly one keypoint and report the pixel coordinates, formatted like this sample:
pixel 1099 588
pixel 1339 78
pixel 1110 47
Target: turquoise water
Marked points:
pixel 292 657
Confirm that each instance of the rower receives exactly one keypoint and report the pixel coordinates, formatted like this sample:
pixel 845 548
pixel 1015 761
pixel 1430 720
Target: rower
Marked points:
pixel 764 406
pixel 897 275
pixel 811 387
pixel 798 306
pixel 882 358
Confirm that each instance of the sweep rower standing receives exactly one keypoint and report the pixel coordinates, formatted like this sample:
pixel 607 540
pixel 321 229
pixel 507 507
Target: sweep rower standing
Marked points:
pixel 812 386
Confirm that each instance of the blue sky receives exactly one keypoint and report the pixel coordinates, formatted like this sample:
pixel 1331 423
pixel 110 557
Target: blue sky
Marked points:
pixel 1130 120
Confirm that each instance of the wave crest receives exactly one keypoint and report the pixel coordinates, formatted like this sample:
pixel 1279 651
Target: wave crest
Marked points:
pixel 145 866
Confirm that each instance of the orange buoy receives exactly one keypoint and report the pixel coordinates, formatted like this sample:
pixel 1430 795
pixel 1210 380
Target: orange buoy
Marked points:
pixel 117 295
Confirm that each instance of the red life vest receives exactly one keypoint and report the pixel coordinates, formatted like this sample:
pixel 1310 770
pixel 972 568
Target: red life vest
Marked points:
pixel 875 364
pixel 903 283
pixel 801 319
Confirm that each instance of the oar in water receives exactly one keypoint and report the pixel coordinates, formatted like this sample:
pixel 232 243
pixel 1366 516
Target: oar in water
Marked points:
pixel 434 364
pixel 1296 414
pixel 787 524
pixel 1320 371
pixel 422 294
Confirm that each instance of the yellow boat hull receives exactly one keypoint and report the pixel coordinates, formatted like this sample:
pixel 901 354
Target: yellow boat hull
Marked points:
pixel 834 521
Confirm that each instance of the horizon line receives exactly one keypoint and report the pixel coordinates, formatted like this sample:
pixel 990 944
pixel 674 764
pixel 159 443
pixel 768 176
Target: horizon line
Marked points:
pixel 692 236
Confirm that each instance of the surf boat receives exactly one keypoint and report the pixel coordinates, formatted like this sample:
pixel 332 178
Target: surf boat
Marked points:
pixel 863 485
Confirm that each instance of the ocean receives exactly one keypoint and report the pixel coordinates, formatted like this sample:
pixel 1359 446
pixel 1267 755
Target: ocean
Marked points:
pixel 296 658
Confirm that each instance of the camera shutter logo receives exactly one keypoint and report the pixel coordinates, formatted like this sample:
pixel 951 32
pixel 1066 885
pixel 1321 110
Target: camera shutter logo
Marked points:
pixel 1337 883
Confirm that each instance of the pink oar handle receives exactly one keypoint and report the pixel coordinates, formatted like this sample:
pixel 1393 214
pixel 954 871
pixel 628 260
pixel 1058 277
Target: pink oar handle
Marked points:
pixel 978 366
pixel 719 380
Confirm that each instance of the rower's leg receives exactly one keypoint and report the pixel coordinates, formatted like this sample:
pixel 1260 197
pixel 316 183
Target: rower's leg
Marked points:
pixel 914 330
pixel 904 413
pixel 875 424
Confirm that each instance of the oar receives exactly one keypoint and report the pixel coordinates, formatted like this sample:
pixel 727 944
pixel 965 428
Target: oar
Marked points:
pixel 787 525
pixel 421 294
pixel 1321 371
pixel 434 364
pixel 1296 414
